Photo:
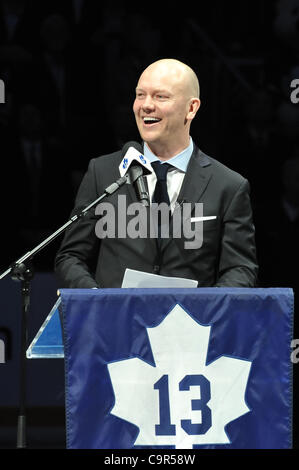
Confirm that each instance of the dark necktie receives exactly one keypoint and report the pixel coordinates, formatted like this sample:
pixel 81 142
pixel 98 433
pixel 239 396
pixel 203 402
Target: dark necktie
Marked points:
pixel 160 193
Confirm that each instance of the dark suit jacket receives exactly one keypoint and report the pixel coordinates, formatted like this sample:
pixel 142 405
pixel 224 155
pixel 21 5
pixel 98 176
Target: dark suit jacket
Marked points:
pixel 226 258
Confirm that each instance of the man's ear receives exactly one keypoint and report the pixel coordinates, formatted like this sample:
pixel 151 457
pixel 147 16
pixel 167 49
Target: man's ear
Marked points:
pixel 194 105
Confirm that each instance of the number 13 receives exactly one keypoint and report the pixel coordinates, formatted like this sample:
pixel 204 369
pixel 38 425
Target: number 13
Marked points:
pixel 165 428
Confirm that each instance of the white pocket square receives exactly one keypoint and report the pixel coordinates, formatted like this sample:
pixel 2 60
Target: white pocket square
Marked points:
pixel 201 219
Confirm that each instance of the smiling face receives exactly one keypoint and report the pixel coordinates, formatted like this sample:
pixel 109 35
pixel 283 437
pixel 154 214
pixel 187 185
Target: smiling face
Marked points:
pixel 165 105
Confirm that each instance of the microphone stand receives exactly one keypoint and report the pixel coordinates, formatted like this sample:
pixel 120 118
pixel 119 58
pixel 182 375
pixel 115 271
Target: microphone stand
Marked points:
pixel 21 271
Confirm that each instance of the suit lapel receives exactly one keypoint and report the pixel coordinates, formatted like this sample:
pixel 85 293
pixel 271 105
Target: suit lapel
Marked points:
pixel 197 177
pixel 196 180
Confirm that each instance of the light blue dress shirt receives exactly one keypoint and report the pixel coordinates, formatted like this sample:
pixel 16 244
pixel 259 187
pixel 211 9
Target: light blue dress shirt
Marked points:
pixel 179 161
pixel 175 177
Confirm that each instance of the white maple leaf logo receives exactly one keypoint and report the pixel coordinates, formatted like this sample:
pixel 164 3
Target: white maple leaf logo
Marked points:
pixel 181 401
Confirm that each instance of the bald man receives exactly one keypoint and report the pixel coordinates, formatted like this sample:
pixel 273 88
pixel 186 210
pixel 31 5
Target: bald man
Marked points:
pixel 166 102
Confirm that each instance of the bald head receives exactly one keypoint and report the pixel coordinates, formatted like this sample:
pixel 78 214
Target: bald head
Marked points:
pixel 167 100
pixel 177 72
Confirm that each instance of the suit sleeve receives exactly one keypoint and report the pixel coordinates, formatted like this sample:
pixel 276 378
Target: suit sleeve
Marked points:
pixel 237 263
pixel 76 259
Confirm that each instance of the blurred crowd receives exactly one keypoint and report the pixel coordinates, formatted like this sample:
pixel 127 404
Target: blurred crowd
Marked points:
pixel 70 69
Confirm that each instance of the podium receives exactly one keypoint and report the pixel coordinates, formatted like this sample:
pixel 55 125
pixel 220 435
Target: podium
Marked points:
pixel 204 368
pixel 48 343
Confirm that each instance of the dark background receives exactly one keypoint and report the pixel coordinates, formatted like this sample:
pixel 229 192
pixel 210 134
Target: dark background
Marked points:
pixel 70 69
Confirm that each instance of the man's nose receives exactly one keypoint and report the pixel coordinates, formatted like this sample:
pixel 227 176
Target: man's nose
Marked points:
pixel 148 103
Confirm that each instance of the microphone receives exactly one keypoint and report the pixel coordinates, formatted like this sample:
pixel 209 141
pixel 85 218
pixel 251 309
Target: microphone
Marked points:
pixel 134 165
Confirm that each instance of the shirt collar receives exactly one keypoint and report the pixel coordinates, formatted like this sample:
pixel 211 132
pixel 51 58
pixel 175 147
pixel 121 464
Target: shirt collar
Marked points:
pixel 179 161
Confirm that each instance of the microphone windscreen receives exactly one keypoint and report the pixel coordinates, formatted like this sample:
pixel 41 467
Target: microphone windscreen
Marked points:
pixel 136 146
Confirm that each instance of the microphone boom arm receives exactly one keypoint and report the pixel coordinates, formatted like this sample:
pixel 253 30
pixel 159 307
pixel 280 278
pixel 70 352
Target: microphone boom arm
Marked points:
pixel 21 272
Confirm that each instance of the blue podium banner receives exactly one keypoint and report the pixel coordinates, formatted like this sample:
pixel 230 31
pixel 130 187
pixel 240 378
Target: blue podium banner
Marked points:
pixel 205 368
